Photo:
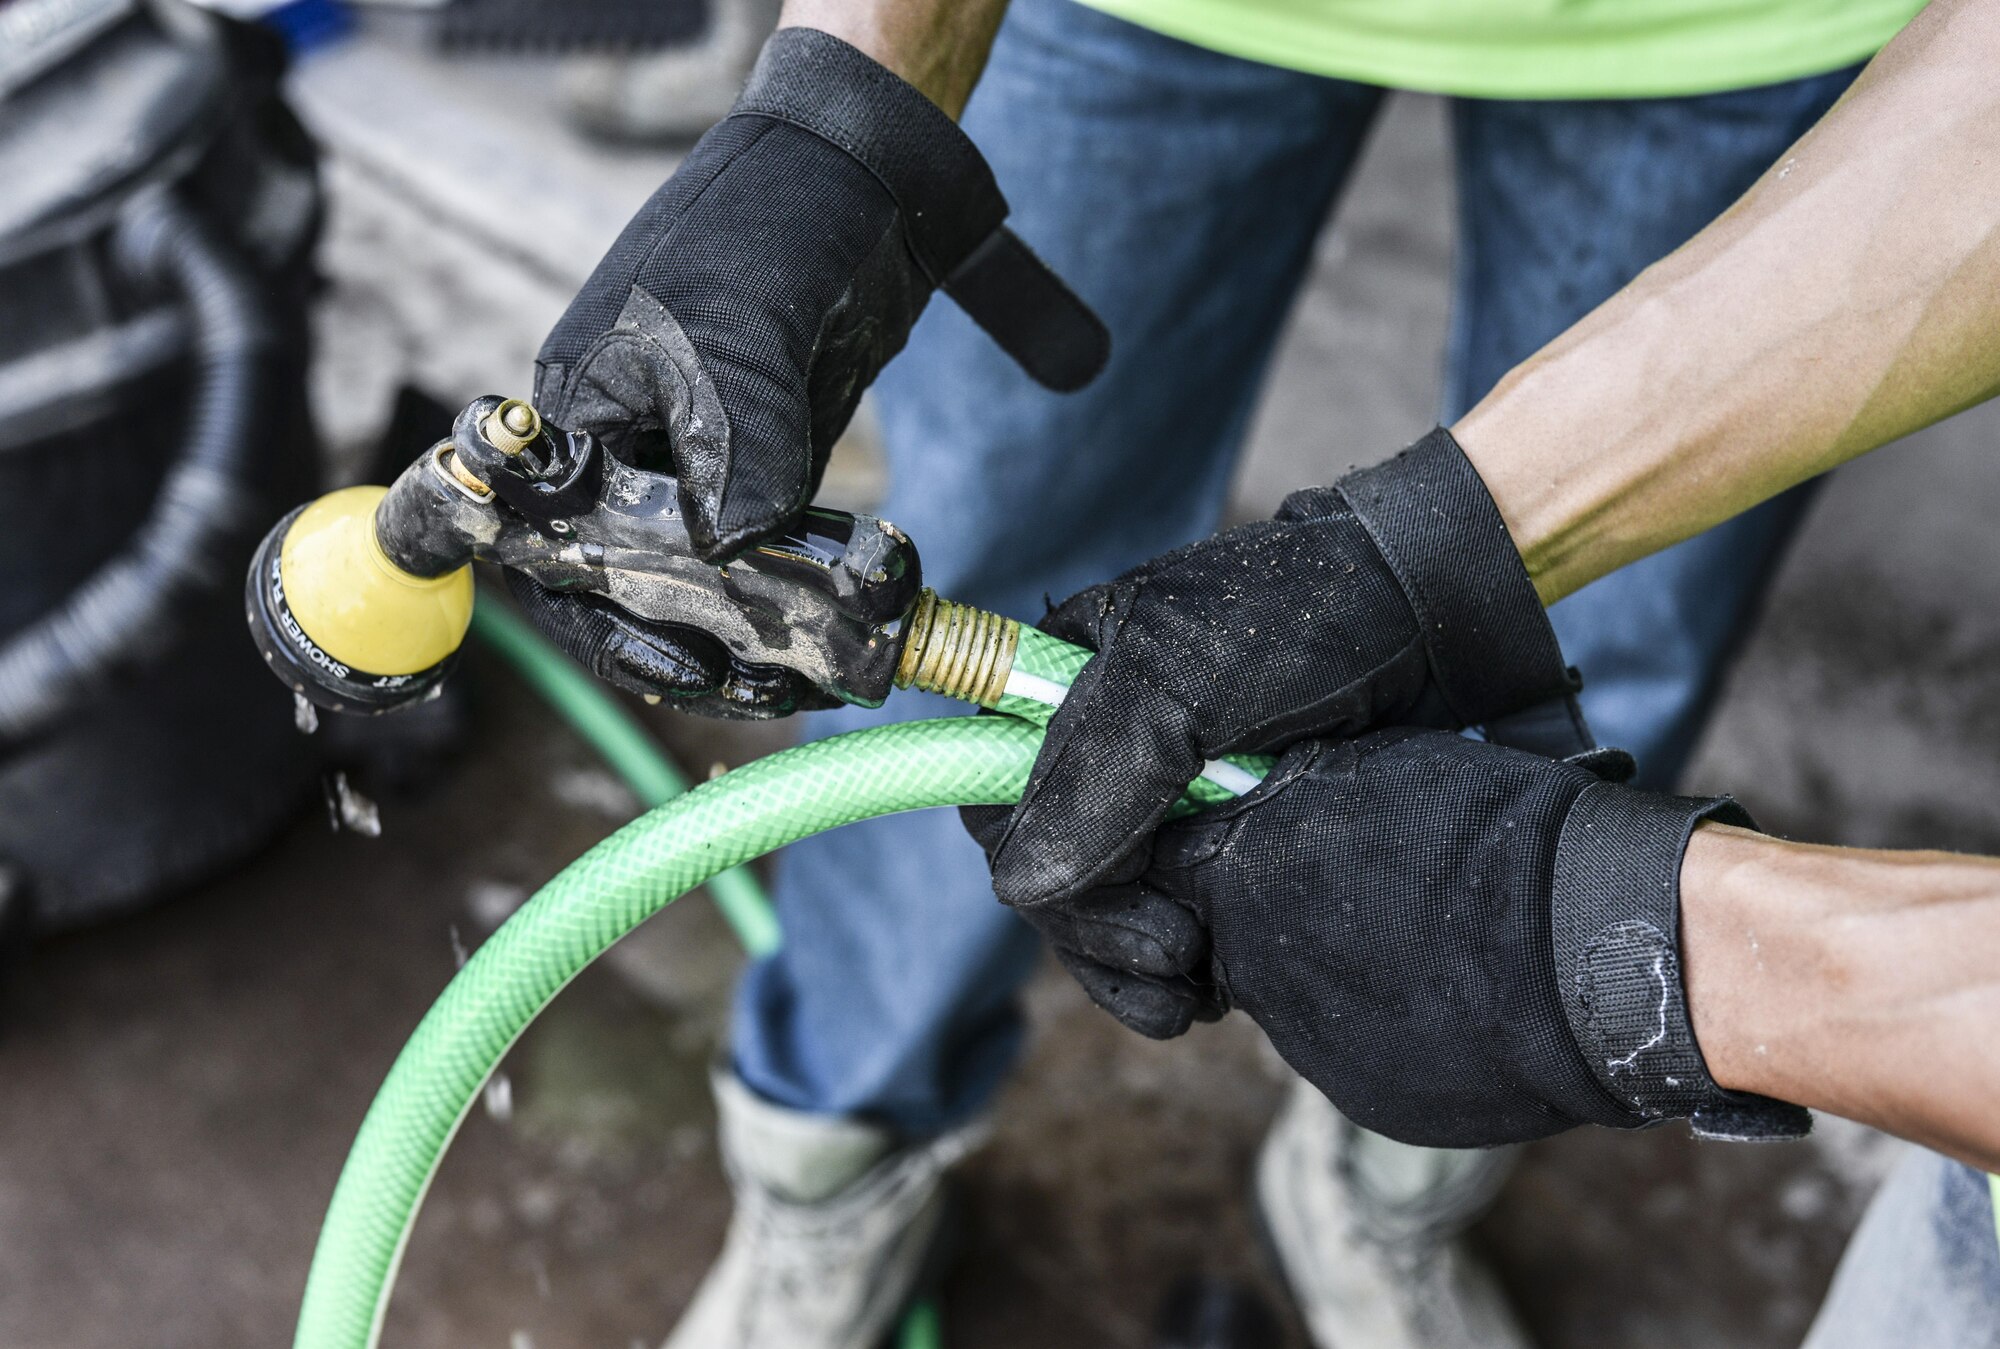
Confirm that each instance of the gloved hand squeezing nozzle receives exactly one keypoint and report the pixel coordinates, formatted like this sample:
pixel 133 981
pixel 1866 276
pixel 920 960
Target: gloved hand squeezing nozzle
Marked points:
pixel 359 600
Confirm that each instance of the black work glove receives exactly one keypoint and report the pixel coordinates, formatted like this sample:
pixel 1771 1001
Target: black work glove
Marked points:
pixel 1460 944
pixel 731 329
pixel 1393 597
pixel 663 660
pixel 735 323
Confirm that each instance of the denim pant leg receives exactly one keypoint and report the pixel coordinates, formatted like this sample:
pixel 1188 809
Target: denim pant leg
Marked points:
pixel 1923 1269
pixel 1179 191
pixel 1560 204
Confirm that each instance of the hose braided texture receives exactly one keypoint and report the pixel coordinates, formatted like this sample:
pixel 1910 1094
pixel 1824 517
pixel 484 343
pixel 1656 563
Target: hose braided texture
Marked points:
pixel 597 717
pixel 575 918
pixel 956 761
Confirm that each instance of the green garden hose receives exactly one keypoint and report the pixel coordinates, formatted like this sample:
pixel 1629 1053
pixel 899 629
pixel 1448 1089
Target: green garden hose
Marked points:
pixel 616 735
pixel 639 870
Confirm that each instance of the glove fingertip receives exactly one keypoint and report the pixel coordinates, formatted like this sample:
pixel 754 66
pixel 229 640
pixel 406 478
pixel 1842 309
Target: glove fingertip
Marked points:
pixel 1037 863
pixel 1079 618
pixel 721 531
pixel 1156 1012
pixel 712 543
pixel 717 528
pixel 699 512
pixel 985 824
pixel 1099 789
pixel 1177 1019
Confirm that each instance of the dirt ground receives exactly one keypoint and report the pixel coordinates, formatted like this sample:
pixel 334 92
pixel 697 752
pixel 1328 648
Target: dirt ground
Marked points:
pixel 182 1086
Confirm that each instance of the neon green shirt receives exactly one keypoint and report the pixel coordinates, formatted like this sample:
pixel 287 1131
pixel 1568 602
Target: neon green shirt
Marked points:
pixel 1537 48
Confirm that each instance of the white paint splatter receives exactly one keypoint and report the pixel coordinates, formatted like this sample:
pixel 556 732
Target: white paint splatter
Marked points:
pixel 1660 1032
pixel 348 808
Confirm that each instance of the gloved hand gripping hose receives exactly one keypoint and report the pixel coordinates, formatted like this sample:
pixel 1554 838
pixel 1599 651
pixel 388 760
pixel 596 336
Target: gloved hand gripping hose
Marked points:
pixel 645 866
pixel 937 646
pixel 359 602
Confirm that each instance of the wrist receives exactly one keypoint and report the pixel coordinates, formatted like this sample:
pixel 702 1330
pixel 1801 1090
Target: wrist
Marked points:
pixel 1862 983
pixel 1745 944
pixel 1535 467
pixel 1591 453
pixel 938 48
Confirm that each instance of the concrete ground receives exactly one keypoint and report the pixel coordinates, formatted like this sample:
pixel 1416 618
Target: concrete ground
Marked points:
pixel 182 1086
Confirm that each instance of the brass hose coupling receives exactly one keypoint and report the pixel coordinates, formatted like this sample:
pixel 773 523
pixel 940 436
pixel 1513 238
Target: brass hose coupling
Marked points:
pixel 957 650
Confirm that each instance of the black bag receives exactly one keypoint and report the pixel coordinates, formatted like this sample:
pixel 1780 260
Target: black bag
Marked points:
pixel 155 263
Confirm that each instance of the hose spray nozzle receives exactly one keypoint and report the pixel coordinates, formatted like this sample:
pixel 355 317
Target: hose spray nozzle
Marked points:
pixel 360 600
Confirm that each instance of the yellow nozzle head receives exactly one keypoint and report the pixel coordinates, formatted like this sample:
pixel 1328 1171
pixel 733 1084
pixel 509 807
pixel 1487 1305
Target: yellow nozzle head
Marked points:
pixel 342 623
pixel 362 609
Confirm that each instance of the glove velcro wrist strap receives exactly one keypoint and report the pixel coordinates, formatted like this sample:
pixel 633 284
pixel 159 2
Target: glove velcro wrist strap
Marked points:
pixel 1489 640
pixel 815 81
pixel 1030 312
pixel 951 207
pixel 1615 930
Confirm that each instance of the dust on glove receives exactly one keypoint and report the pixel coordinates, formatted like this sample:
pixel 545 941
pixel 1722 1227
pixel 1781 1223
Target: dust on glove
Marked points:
pixel 734 324
pixel 1395 597
pixel 1458 943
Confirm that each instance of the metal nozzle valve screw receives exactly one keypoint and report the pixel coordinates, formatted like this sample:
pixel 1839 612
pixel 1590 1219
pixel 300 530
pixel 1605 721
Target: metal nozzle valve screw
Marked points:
pixel 512 427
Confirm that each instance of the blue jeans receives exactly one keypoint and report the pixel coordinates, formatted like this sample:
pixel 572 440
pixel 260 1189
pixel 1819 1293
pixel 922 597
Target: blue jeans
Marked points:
pixel 1923 1269
pixel 1180 192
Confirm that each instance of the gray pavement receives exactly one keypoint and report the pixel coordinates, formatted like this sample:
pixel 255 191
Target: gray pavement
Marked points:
pixel 182 1086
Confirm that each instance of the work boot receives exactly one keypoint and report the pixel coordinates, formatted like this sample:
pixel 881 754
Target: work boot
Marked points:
pixel 670 95
pixel 1366 1233
pixel 834 1226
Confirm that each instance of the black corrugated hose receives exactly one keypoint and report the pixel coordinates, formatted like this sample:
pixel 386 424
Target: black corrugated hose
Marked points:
pixel 131 608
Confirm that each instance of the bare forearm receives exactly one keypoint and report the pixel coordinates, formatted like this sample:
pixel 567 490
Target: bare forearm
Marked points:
pixel 939 46
pixel 1862 983
pixel 1852 296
